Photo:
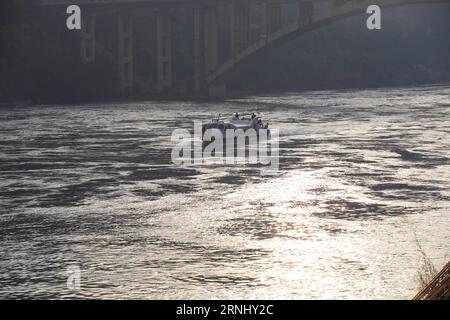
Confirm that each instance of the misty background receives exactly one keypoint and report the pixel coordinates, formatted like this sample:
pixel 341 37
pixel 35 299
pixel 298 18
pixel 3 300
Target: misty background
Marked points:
pixel 40 59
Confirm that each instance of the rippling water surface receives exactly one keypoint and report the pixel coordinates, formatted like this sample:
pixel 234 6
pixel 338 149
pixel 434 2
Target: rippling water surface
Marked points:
pixel 362 194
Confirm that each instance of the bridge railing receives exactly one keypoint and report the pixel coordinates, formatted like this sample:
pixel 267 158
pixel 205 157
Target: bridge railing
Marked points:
pixel 438 288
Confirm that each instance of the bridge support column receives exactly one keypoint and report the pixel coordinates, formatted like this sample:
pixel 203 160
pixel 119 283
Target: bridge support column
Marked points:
pixel 274 18
pixel 242 22
pixel 164 50
pixel 305 13
pixel 264 23
pixel 88 39
pixel 125 56
pixel 198 49
pixel 211 40
pixel 232 25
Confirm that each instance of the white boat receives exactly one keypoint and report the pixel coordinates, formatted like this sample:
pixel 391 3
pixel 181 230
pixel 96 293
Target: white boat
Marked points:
pixel 243 121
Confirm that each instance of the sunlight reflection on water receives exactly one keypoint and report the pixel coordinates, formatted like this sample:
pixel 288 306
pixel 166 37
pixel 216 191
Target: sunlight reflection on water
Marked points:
pixel 363 175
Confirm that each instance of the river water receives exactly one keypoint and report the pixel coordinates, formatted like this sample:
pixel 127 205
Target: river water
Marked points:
pixel 362 196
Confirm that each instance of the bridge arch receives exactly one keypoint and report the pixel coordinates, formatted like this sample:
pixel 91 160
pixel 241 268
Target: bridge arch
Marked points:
pixel 338 10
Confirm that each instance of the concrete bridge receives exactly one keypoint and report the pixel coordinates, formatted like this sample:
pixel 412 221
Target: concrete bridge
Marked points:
pixel 248 27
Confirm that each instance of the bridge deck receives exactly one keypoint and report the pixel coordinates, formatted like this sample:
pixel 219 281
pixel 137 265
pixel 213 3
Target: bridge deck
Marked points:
pixel 79 2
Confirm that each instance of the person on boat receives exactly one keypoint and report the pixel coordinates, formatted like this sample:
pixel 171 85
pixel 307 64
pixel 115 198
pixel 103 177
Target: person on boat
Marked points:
pixel 260 122
pixel 236 116
pixel 255 122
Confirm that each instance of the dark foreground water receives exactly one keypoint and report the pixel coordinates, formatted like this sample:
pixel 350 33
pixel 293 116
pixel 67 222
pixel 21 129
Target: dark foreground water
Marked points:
pixel 362 194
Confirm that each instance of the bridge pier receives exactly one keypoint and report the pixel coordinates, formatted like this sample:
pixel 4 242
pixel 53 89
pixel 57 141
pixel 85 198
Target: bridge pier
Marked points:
pixel 264 35
pixel 88 39
pixel 198 49
pixel 211 28
pixel 305 13
pixel 232 27
pixel 164 50
pixel 274 18
pixel 125 55
pixel 242 27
